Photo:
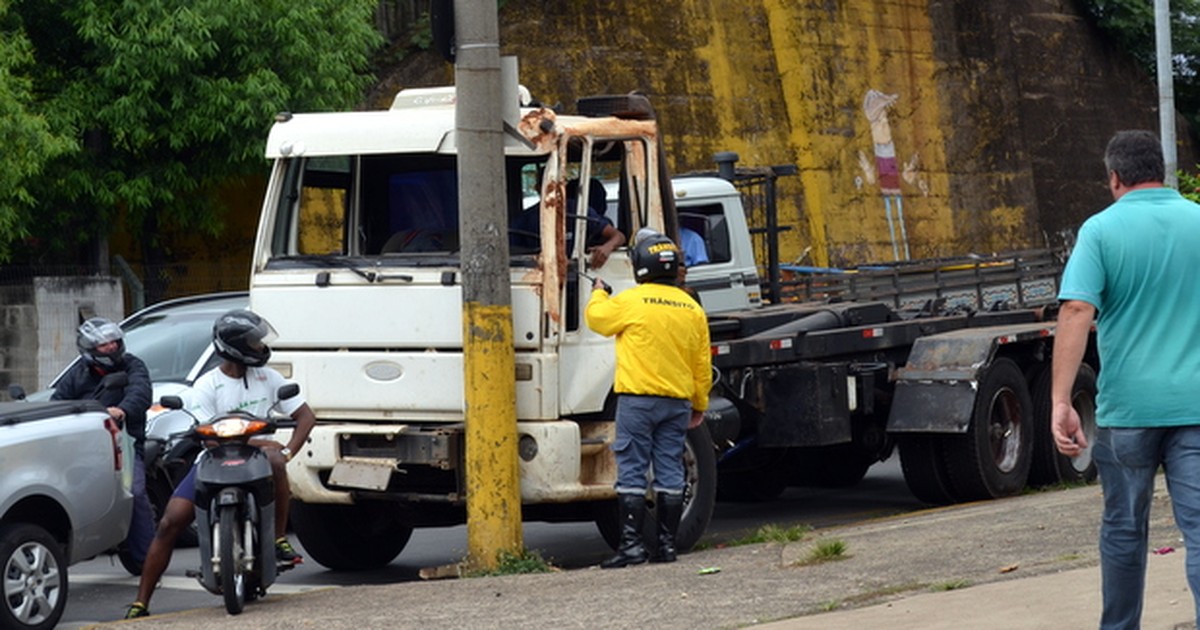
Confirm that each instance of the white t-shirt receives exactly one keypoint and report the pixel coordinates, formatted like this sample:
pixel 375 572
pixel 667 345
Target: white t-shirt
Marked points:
pixel 214 393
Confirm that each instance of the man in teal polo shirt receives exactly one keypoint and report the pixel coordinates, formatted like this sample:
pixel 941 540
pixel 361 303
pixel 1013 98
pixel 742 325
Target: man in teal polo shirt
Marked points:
pixel 1137 265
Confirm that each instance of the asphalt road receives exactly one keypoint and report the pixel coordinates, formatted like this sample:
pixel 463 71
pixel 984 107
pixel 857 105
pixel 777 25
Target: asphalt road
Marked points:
pixel 100 589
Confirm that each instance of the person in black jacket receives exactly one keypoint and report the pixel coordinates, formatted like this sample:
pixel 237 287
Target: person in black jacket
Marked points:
pixel 101 345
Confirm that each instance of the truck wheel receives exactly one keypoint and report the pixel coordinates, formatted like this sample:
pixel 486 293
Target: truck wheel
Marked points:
pixel 34 577
pixel 992 459
pixel 924 468
pixel 699 497
pixel 365 535
pixel 1049 466
pixel 700 494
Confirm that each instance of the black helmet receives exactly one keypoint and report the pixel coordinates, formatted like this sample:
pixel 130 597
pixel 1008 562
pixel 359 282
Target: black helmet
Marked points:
pixel 242 336
pixel 655 257
pixel 96 332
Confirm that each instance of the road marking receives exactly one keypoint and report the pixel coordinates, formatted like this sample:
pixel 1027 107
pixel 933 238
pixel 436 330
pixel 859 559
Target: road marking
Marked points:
pixel 188 584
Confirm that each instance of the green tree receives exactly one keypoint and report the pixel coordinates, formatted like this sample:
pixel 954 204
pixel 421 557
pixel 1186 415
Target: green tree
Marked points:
pixel 1130 23
pixel 168 99
pixel 24 133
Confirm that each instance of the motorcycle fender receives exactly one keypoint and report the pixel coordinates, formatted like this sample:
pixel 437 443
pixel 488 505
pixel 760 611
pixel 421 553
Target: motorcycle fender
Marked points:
pixel 230 496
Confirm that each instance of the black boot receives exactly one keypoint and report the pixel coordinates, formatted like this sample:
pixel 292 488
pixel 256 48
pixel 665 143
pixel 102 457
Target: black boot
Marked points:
pixel 670 510
pixel 633 514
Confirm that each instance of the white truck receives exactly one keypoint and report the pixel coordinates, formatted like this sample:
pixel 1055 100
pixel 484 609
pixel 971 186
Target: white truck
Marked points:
pixel 356 264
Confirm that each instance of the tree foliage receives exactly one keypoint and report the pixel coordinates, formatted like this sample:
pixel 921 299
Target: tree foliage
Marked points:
pixel 163 100
pixel 1130 24
pixel 25 135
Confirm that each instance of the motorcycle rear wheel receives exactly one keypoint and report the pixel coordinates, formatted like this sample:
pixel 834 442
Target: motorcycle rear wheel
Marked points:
pixel 232 550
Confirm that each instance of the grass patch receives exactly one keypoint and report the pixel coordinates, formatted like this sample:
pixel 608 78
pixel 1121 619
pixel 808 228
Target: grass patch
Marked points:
pixel 1069 557
pixel 830 606
pixel 829 549
pixel 514 563
pixel 950 585
pixel 773 533
pixel 825 551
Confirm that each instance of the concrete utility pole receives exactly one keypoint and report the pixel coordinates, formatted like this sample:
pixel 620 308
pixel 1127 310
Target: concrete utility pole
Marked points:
pixel 493 487
pixel 1166 89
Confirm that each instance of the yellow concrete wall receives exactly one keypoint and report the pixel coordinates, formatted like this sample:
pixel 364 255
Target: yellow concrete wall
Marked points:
pixel 776 82
pixel 786 81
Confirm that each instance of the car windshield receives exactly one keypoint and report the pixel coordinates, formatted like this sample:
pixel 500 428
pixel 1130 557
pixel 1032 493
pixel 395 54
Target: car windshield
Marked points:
pixel 169 344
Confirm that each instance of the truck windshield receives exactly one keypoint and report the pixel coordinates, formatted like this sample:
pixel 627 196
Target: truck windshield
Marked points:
pixel 378 205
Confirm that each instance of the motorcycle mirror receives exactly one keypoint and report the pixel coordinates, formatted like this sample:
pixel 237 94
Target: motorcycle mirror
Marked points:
pixel 116 380
pixel 16 392
pixel 291 390
pixel 171 402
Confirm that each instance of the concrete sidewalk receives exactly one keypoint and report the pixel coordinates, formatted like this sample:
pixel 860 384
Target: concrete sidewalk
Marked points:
pixel 1025 562
pixel 1067 599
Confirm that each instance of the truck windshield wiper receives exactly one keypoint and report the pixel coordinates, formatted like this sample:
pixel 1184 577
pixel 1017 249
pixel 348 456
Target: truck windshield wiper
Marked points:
pixel 342 262
pixel 377 276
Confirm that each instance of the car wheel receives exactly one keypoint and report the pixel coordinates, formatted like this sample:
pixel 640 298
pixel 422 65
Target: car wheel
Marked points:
pixel 34 577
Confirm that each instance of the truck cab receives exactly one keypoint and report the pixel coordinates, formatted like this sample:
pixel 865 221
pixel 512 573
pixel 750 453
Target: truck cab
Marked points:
pixel 712 208
pixel 357 265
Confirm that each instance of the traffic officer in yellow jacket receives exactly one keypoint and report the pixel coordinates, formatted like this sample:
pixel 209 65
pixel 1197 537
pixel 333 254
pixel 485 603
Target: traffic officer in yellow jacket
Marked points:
pixel 664 371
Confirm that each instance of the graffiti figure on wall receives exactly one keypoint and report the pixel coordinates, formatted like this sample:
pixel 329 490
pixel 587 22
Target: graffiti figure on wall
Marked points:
pixel 885 169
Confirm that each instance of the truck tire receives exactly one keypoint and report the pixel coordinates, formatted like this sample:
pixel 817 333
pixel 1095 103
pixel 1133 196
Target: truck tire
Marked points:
pixel 924 466
pixel 699 498
pixel 365 535
pixel 1049 466
pixel 992 459
pixel 33 569
pixel 700 495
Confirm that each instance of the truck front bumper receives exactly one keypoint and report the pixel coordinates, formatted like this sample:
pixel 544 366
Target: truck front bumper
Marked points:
pixel 559 462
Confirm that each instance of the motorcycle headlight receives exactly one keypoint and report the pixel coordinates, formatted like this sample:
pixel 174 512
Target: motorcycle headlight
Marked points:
pixel 231 427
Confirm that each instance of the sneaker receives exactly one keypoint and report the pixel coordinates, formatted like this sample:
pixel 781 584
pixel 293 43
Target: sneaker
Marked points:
pixel 137 609
pixel 284 552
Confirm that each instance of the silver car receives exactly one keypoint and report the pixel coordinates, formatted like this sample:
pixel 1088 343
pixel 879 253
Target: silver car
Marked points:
pixel 64 498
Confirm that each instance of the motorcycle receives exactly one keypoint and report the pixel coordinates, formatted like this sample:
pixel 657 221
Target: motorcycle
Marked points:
pixel 170 451
pixel 235 505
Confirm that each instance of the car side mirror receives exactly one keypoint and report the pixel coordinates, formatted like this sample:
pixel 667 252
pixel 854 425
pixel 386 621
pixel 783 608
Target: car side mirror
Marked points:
pixel 16 392
pixel 171 402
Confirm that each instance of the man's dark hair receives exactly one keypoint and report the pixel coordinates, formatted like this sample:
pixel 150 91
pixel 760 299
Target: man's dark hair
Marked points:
pixel 1136 157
